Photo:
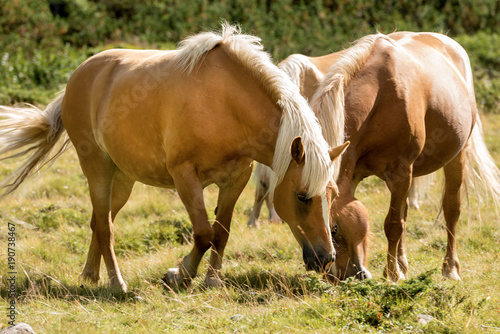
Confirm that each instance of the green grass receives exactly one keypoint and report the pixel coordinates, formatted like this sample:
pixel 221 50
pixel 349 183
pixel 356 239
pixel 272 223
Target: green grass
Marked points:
pixel 267 288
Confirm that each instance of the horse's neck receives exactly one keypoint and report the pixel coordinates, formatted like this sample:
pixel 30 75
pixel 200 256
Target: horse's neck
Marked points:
pixel 253 107
pixel 262 133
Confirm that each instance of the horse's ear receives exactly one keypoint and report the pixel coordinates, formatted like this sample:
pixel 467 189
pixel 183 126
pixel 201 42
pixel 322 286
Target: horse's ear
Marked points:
pixel 335 152
pixel 297 150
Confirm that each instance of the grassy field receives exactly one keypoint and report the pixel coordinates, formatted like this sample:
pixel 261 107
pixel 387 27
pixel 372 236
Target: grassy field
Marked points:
pixel 267 289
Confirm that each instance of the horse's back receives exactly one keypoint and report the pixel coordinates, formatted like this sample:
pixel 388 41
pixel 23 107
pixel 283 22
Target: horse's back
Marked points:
pixel 323 63
pixel 443 44
pixel 96 80
pixel 307 72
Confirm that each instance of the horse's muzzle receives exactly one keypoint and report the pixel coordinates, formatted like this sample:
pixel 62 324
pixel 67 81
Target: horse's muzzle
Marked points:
pixel 317 260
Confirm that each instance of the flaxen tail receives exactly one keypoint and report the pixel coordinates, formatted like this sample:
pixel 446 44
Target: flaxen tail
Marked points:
pixel 481 173
pixel 30 133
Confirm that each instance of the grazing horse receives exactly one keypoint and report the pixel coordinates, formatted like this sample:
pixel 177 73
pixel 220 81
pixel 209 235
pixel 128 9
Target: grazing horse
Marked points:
pixel 308 72
pixel 408 106
pixel 184 119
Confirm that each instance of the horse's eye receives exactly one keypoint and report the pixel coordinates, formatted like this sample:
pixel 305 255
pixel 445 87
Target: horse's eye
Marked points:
pixel 335 229
pixel 303 198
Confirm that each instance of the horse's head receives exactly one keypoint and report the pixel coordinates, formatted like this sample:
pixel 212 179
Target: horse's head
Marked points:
pixel 350 229
pixel 308 217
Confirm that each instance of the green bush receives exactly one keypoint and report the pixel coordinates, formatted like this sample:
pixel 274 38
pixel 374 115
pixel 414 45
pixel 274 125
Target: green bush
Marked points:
pixel 484 52
pixel 43 41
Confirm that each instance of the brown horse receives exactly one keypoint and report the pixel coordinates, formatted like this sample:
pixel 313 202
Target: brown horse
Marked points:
pixel 406 102
pixel 307 73
pixel 184 119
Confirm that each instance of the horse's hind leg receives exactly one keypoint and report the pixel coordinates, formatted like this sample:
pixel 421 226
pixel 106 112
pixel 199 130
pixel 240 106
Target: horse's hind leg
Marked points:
pixel 395 223
pixel 190 191
pixel 122 187
pixel 100 172
pixel 225 206
pixel 454 176
pixel 273 215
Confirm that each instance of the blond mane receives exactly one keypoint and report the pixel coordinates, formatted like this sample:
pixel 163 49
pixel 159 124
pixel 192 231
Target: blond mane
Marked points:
pixel 328 100
pixel 297 117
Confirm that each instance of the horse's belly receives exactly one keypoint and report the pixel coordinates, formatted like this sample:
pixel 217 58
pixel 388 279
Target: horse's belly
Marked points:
pixel 142 163
pixel 440 148
pixel 427 164
pixel 147 172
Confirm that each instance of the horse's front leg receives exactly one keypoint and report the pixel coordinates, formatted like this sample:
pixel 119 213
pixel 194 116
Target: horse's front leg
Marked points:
pixel 190 191
pixel 225 206
pixel 399 182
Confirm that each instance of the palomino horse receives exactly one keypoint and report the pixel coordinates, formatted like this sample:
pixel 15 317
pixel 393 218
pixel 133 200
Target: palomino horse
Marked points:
pixel 307 73
pixel 184 119
pixel 409 108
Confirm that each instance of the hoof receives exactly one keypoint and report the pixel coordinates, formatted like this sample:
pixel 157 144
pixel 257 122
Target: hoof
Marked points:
pixel 275 220
pixel 414 204
pixel 118 285
pixel 213 282
pixel 451 269
pixel 252 223
pixel 451 273
pixel 90 277
pixel 175 279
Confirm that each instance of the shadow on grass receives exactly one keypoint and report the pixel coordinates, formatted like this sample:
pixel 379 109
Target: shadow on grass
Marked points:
pixel 49 287
pixel 289 285
pixel 299 285
pixel 252 287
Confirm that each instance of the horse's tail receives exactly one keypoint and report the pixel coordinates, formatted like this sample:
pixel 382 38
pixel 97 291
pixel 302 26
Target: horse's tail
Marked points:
pixel 32 133
pixel 419 187
pixel 481 172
